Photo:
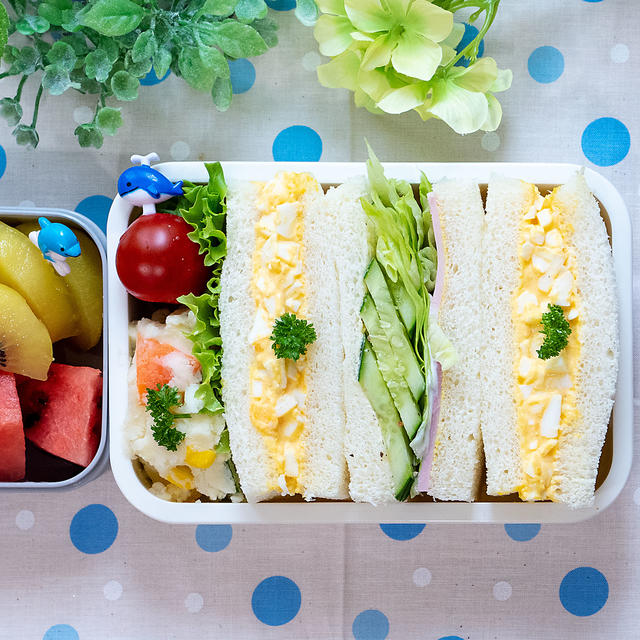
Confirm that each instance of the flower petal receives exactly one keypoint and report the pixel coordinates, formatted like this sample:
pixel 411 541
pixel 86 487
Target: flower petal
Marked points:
pixel 333 34
pixel 374 83
pixel 448 54
pixel 397 8
pixel 361 37
pixel 404 99
pixel 454 38
pixel 334 7
pixel 361 99
pixel 416 56
pixel 478 76
pixel 495 114
pixel 378 53
pixel 368 15
pixel 464 111
pixel 502 81
pixel 341 72
pixel 429 20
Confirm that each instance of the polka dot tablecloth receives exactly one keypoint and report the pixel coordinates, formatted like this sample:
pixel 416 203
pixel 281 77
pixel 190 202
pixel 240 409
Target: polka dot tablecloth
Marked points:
pixel 84 565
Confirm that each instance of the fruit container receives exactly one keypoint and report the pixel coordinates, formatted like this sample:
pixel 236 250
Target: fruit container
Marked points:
pixel 615 461
pixel 46 471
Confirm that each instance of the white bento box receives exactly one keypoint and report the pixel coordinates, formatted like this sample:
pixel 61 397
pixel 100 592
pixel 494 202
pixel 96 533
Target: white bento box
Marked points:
pixel 617 452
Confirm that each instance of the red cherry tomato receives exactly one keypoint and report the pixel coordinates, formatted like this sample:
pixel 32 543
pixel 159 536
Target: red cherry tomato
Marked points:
pixel 157 262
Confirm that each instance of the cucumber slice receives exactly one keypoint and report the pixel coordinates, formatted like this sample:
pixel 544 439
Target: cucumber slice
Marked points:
pixel 403 349
pixel 390 368
pixel 395 440
pixel 404 304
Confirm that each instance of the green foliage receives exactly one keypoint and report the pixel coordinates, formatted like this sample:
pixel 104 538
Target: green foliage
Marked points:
pixel 104 48
pixel 556 330
pixel 4 27
pixel 109 120
pixel 89 136
pixel 160 401
pixel 291 336
pixel 399 55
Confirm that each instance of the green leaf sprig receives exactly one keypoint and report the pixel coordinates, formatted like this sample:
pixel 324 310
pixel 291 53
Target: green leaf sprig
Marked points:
pixel 402 55
pixel 105 47
pixel 556 330
pixel 291 336
pixel 160 401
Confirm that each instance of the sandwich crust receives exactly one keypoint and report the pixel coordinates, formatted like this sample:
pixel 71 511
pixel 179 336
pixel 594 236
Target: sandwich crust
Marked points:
pixel 579 447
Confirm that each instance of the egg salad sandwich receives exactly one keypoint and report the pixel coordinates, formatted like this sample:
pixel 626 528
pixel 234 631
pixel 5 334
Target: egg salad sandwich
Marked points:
pixel 281 333
pixel 410 333
pixel 551 340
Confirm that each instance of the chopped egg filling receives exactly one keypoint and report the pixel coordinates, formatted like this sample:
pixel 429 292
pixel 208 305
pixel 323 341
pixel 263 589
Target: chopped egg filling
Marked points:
pixel 545 398
pixel 278 387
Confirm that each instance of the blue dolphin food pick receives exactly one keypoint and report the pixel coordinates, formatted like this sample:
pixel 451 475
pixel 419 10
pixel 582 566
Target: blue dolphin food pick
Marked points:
pixel 144 186
pixel 57 243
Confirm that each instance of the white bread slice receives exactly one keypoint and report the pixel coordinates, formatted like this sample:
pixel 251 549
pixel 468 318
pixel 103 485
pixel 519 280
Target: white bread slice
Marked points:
pixel 596 373
pixel 255 464
pixel 507 198
pixel 457 458
pixel 323 470
pixel 370 478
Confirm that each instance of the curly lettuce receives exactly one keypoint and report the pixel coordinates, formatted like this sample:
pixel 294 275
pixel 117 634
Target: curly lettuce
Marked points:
pixel 204 208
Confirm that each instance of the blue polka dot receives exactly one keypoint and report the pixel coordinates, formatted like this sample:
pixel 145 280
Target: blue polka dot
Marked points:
pixel 450 638
pixel 151 78
pixel 243 75
pixel 96 208
pixel 584 591
pixel 545 64
pixel 276 601
pixel 470 32
pixel 606 141
pixel 61 632
pixel 213 537
pixel 593 0
pixel 297 144
pixel 3 161
pixel 93 529
pixel 281 5
pixel 402 531
pixel 370 625
pixel 522 532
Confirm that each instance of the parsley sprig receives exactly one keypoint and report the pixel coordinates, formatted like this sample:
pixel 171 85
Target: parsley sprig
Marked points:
pixel 556 332
pixel 291 336
pixel 160 401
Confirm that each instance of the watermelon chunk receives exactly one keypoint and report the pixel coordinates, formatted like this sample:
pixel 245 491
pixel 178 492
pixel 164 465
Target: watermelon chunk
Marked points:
pixel 12 458
pixel 62 413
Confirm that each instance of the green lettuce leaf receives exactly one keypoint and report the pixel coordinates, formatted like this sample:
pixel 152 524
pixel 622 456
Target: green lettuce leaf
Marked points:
pixel 204 208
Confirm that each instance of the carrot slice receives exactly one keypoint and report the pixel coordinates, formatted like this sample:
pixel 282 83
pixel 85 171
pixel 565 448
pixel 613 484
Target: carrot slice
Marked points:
pixel 151 369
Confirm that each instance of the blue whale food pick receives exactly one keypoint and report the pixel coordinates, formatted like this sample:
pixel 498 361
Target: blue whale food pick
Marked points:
pixel 57 243
pixel 144 186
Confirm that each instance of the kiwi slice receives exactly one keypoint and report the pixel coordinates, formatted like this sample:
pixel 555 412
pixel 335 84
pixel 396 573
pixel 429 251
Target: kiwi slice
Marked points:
pixel 25 344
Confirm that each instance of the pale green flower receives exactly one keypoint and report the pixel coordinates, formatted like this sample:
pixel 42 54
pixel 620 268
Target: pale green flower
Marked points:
pixel 399 55
pixel 405 33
